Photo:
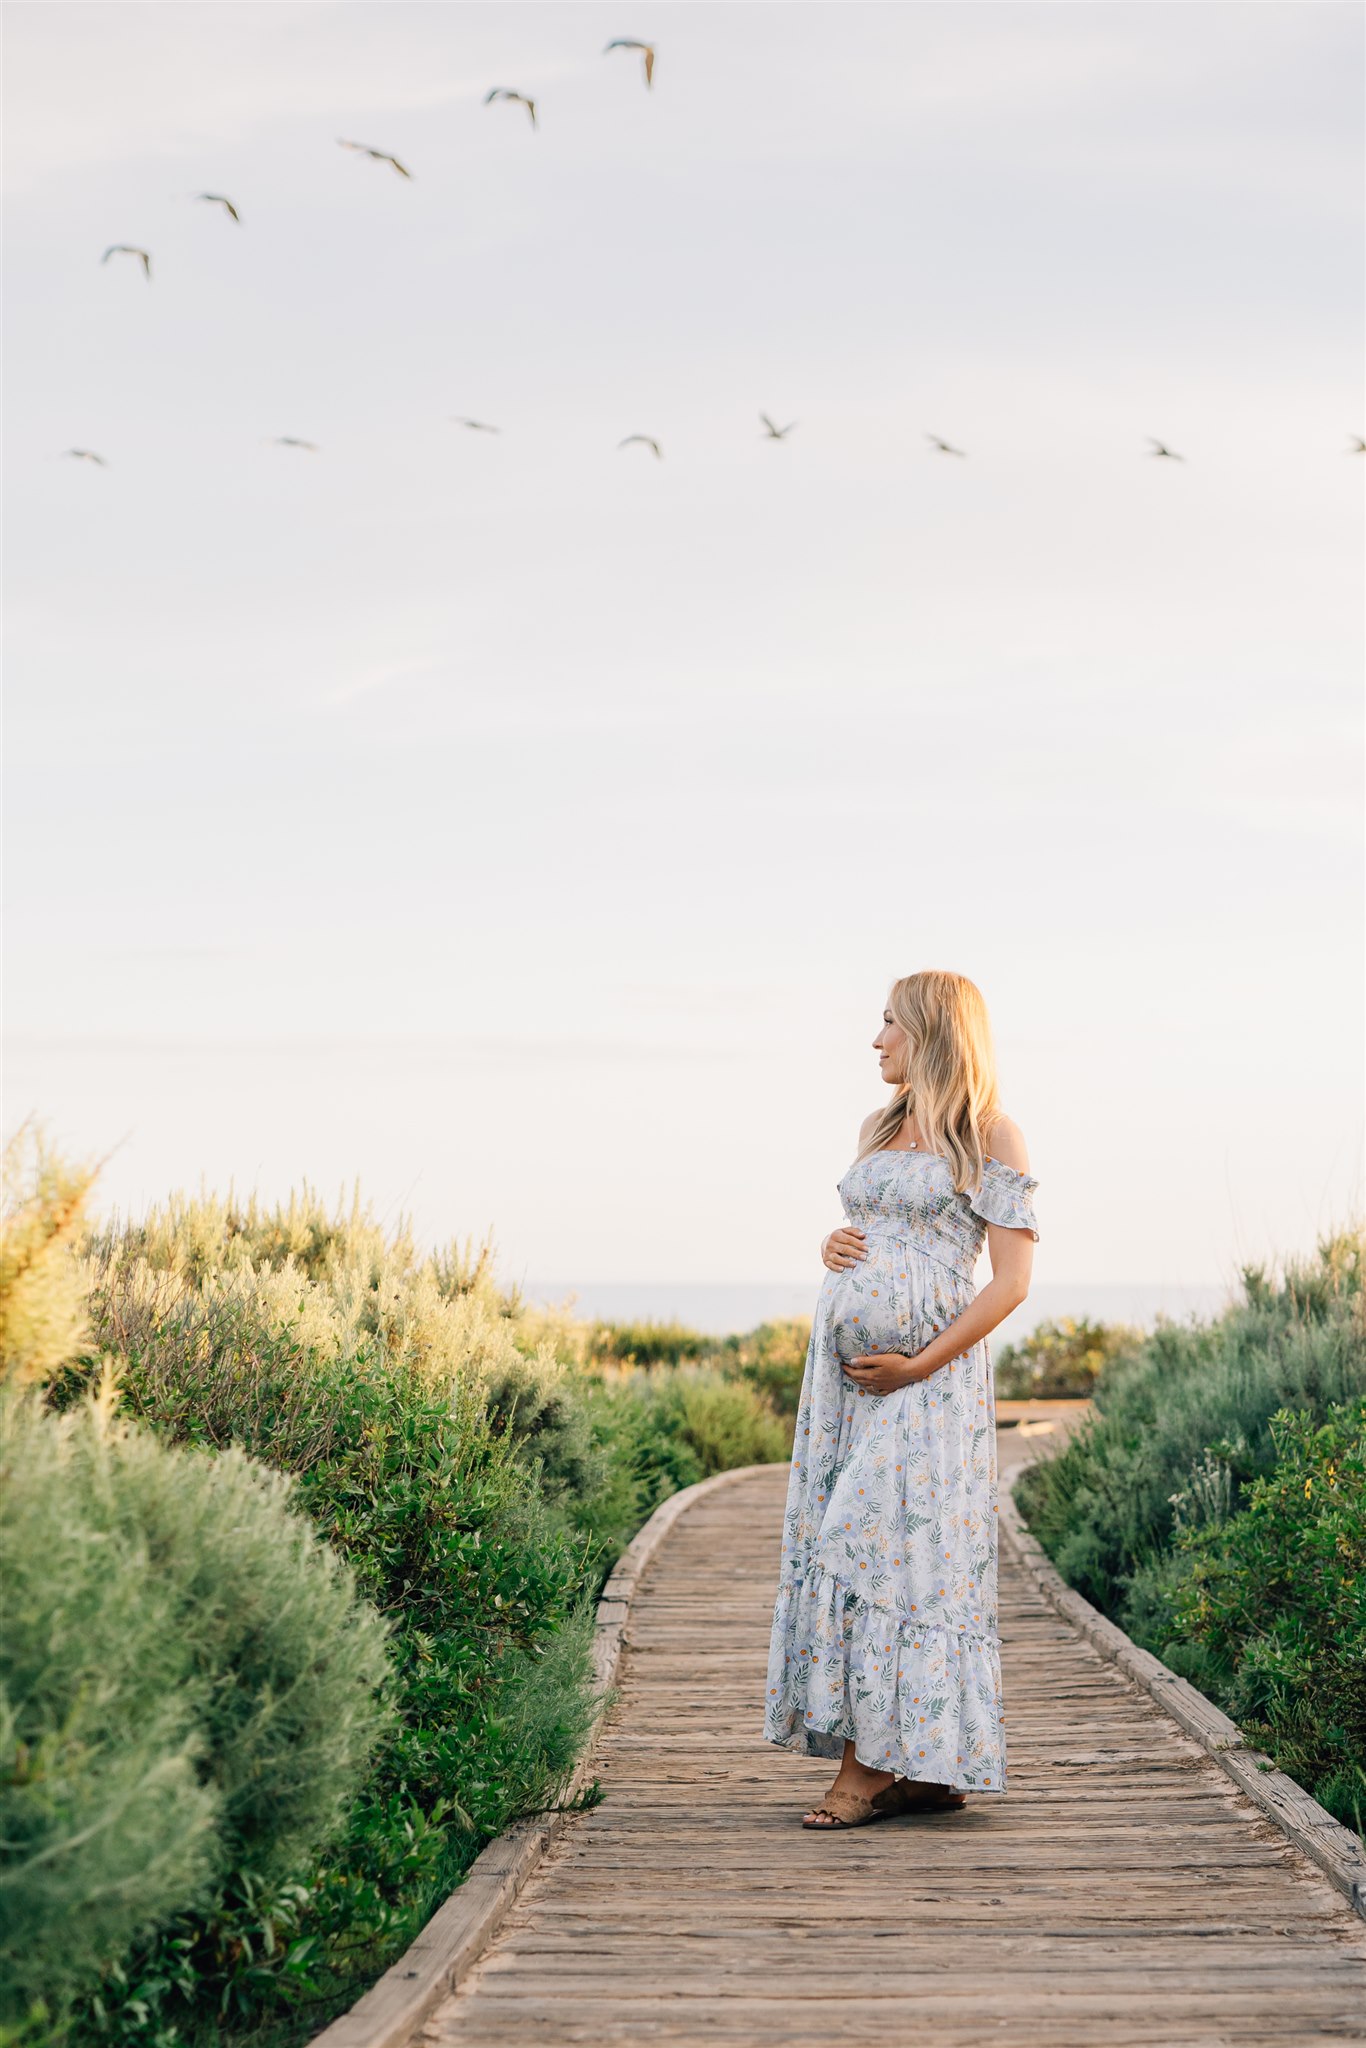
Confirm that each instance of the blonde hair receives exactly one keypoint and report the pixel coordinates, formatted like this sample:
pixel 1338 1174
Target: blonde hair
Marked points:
pixel 948 1081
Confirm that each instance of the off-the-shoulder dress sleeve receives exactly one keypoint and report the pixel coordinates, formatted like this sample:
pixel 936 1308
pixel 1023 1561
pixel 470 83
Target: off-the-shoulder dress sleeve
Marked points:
pixel 1005 1197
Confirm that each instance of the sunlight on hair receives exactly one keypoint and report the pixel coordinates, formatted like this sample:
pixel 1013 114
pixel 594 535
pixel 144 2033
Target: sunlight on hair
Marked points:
pixel 949 1081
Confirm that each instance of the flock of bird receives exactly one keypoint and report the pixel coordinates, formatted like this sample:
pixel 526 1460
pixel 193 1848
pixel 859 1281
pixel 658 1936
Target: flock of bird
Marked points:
pixel 1157 449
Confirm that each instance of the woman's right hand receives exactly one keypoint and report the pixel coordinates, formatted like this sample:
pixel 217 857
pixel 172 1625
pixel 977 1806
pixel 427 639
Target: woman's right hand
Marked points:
pixel 843 1248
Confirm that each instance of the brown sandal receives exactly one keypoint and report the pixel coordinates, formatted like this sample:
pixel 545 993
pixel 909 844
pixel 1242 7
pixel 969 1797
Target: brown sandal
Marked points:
pixel 853 1812
pixel 915 1795
pixel 895 1798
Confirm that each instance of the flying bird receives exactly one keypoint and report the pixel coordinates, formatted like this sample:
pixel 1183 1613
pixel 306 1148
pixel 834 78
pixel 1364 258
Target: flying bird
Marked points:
pixel 127 249
pixel 86 455
pixel 628 43
pixel 217 199
pixel 381 156
pixel 944 447
pixel 1159 448
pixel 503 92
pixel 775 433
pixel 480 426
pixel 292 441
pixel 1358 446
pixel 646 439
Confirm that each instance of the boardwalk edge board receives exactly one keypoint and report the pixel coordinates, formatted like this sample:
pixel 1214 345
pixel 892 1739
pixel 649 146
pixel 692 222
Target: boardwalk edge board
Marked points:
pixel 395 2006
pixel 1312 1829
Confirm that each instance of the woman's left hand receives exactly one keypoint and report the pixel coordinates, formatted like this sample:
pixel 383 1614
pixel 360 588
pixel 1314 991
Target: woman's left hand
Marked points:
pixel 882 1372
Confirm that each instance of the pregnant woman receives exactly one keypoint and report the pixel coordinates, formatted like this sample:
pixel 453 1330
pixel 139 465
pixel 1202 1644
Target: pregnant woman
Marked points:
pixel 884 1651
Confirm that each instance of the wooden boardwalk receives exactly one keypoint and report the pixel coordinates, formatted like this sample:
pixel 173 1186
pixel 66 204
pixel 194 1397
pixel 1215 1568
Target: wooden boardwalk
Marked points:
pixel 1123 1891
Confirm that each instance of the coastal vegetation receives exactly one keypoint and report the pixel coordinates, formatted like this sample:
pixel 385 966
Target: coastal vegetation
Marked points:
pixel 304 1526
pixel 304 1529
pixel 1214 1505
pixel 1061 1359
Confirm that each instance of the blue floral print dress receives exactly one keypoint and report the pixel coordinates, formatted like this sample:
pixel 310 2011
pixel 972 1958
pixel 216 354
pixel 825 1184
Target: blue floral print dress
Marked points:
pixel 884 1626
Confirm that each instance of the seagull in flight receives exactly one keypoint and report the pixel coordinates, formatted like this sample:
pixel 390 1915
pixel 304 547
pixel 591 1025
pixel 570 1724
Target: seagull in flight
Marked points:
pixel 629 43
pixel 775 433
pixel 504 92
pixel 217 199
pixel 1160 448
pixel 480 426
pixel 649 443
pixel 86 455
pixel 943 446
pixel 381 156
pixel 292 441
pixel 127 249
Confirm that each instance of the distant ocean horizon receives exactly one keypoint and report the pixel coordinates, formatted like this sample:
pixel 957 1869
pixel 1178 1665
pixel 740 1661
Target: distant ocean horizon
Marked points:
pixel 721 1309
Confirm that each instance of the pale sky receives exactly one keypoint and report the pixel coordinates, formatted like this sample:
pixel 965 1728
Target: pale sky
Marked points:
pixel 531 828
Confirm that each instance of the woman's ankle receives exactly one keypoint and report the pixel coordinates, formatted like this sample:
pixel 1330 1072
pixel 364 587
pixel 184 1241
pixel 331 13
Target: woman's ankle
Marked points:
pixel 852 1771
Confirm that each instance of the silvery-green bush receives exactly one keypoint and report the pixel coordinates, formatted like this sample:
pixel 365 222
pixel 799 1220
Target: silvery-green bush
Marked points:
pixel 1106 1506
pixel 189 1686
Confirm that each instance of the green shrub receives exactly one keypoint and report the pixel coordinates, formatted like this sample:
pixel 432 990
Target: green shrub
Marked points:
pixel 662 1431
pixel 343 1249
pixel 491 1654
pixel 1268 1607
pixel 645 1461
pixel 723 1422
pixel 454 1448
pixel 190 1686
pixel 543 1411
pixel 772 1359
pixel 1104 1505
pixel 449 1533
pixel 1214 1504
pixel 1061 1360
pixel 648 1344
pixel 370 1383
pixel 228 1311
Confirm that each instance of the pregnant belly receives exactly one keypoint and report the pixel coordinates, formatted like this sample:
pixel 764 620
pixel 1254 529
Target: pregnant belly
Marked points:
pixel 888 1303
pixel 868 1307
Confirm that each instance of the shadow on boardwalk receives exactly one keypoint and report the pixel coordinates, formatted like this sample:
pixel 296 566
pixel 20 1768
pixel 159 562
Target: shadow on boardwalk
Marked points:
pixel 1122 1892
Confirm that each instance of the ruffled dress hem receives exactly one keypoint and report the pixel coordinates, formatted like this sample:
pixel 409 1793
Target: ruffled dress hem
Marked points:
pixel 920 1699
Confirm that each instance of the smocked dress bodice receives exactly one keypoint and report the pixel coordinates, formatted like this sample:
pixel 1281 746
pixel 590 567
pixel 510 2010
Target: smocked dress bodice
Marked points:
pixel 910 1195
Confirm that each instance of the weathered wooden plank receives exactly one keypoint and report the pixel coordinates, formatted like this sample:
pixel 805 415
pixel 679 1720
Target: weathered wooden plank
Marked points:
pixel 772 2016
pixel 1117 2030
pixel 688 2029
pixel 597 1975
pixel 956 1994
pixel 643 1950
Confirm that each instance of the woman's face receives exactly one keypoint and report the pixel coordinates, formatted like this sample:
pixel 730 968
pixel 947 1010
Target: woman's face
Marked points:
pixel 890 1046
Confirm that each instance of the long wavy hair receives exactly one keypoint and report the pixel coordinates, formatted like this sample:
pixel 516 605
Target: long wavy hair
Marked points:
pixel 948 1082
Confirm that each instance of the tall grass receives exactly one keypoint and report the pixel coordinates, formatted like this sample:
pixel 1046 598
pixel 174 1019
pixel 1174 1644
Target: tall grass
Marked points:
pixel 42 1294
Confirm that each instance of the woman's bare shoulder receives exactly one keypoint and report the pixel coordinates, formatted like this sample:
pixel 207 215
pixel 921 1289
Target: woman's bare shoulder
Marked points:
pixel 1005 1141
pixel 868 1123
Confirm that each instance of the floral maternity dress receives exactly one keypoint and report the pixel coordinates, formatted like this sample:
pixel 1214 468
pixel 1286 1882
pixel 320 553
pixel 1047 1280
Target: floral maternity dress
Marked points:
pixel 884 1626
